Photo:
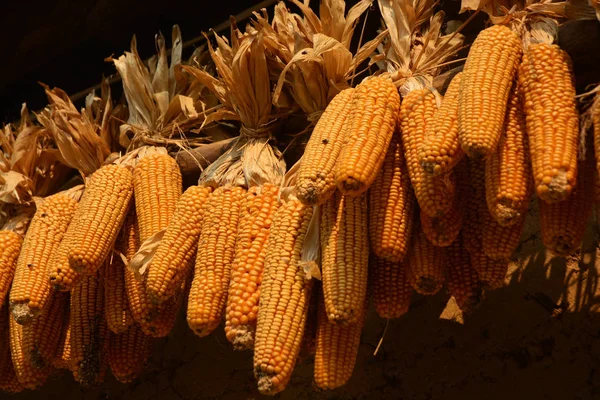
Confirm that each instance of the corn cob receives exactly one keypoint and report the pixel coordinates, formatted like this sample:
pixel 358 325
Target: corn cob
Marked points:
pixel 441 150
pixel 485 85
pixel 128 353
pixel 491 273
pixel 425 264
pixel 546 81
pixel 316 182
pixel 88 331
pixel 9 382
pixel 367 134
pixel 442 231
pixel 285 299
pixel 62 358
pixel 116 306
pixel 434 194
pixel 216 250
pixel 175 253
pixel 499 242
pixel 257 210
pixel 41 337
pixel 29 376
pixel 157 187
pixel 391 289
pixel 10 247
pixel 345 256
pixel 30 291
pixel 308 347
pixel 391 206
pixel 508 181
pixel 461 277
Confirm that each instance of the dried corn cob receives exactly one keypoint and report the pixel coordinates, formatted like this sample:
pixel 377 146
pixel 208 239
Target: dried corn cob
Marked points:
pixel 367 134
pixel 391 289
pixel 29 376
pixel 128 353
pixel 285 288
pixel 216 250
pixel 546 81
pixel 345 256
pixel 10 247
pixel 442 231
pixel 461 277
pixel 485 85
pixel 316 182
pixel 116 306
pixel 391 206
pixel 491 273
pixel 499 242
pixel 441 150
pixel 434 194
pixel 175 253
pixel 9 382
pixel 308 347
pixel 425 264
pixel 30 291
pixel 62 358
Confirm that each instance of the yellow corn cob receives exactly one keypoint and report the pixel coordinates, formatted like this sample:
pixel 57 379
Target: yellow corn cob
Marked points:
pixel 62 358
pixel 257 210
pixel 175 253
pixel 391 206
pixel 547 85
pixel 9 382
pixel 345 256
pixel 442 231
pixel 128 353
pixel 441 150
pixel 10 247
pixel 491 273
pixel 563 224
pixel 285 298
pixel 88 331
pixel 41 337
pixel 508 181
pixel 499 242
pixel 62 277
pixel 316 182
pixel 461 277
pixel 29 376
pixel 157 186
pixel 484 88
pixel 391 289
pixel 30 290
pixel 367 134
pixel 337 348
pixel 116 306
pixel 216 250
pixel 425 264
pixel 434 194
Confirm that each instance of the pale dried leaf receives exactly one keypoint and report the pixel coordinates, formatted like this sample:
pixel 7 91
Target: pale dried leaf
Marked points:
pixel 176 52
pixel 15 188
pixel 352 19
pixel 141 260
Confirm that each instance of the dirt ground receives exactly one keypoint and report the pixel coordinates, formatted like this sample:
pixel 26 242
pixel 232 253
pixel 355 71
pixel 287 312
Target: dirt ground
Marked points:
pixel 535 338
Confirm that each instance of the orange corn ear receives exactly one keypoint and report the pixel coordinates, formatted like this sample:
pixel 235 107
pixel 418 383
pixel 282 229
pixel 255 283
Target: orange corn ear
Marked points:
pixel 499 242
pixel 309 338
pixel 337 348
pixel 285 299
pixel 157 186
pixel 391 206
pixel 434 194
pixel 485 85
pixel 391 289
pixel 116 309
pixel 563 224
pixel 367 134
pixel 461 277
pixel 442 231
pixel 28 375
pixel 175 253
pixel 425 265
pixel 128 353
pixel 243 295
pixel 491 273
pixel 9 382
pixel 30 290
pixel 62 358
pixel 316 182
pixel 441 150
pixel 216 250
pixel 546 80
pixel 10 247
pixel 41 337
pixel 345 256
pixel 88 331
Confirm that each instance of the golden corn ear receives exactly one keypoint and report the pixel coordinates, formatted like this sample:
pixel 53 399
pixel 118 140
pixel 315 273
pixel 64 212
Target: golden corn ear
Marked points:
pixel 484 89
pixel 175 253
pixel 391 206
pixel 435 194
pixel 157 187
pixel 367 134
pixel 30 290
pixel 547 83
pixel 315 179
pixel 441 150
pixel 285 298
pixel 241 312
pixel 442 231
pixel 337 348
pixel 499 242
pixel 308 347
pixel 28 375
pixel 391 289
pixel 88 331
pixel 10 247
pixel 461 277
pixel 9 382
pixel 128 353
pixel 116 308
pixel 344 256
pixel 425 264
pixel 62 358
pixel 216 250
pixel 563 224
pixel 491 273
pixel 62 277
pixel 508 180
